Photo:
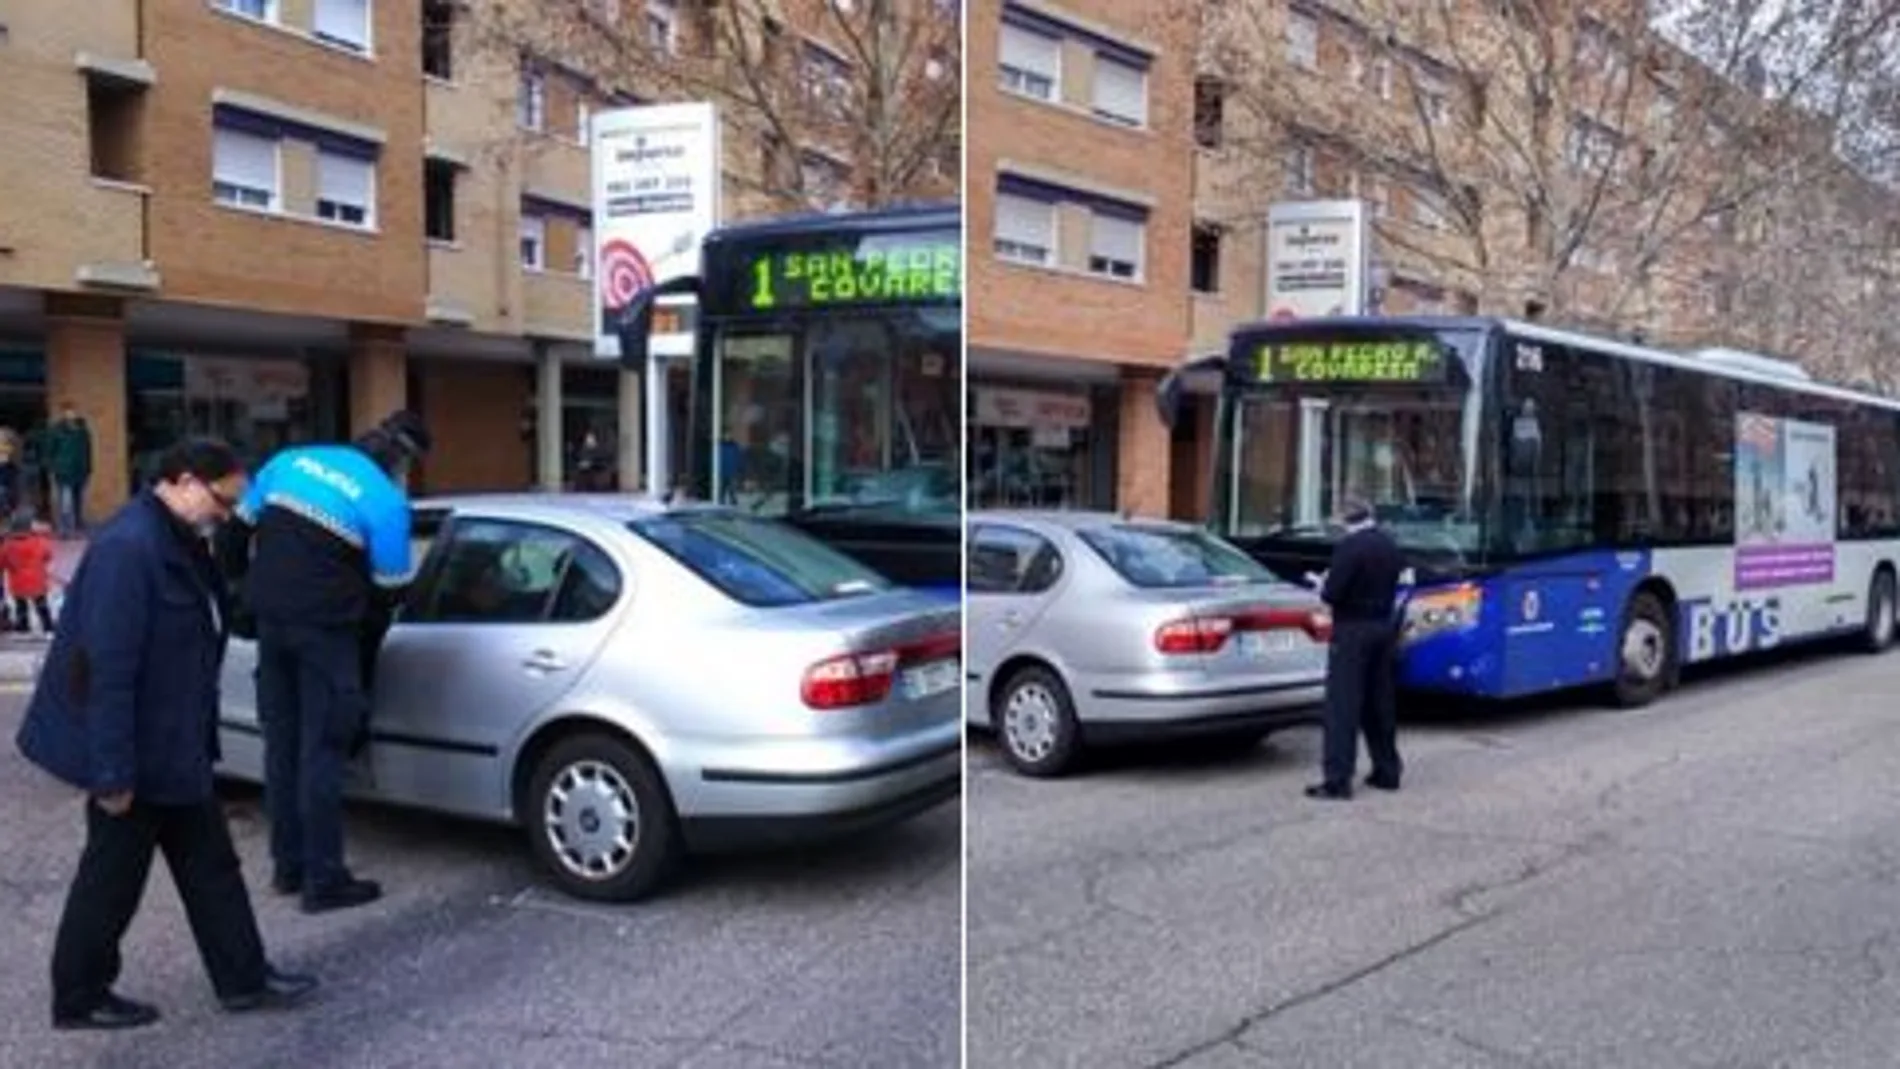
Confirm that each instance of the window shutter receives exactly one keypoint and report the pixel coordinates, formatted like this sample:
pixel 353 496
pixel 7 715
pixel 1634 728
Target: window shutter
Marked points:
pixel 1026 221
pixel 1030 52
pixel 1121 90
pixel 342 20
pixel 242 159
pixel 1116 239
pixel 345 180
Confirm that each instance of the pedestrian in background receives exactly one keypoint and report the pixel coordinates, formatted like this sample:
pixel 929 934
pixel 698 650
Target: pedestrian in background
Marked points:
pixel 329 558
pixel 1361 587
pixel 126 710
pixel 26 558
pixel 69 463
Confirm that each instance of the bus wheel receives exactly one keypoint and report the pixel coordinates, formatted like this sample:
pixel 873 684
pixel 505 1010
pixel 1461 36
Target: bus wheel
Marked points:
pixel 1645 652
pixel 1880 614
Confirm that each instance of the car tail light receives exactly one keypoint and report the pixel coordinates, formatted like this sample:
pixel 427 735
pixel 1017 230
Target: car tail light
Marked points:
pixel 852 679
pixel 1207 634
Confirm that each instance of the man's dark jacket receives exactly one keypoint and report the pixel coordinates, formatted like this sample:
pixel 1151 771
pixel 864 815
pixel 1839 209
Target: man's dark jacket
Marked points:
pixel 128 696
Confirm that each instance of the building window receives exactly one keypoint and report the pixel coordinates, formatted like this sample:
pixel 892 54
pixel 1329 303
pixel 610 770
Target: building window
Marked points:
pixel 1025 230
pixel 344 23
pixel 1115 246
pixel 1030 62
pixel 584 251
pixel 827 78
pixel 113 112
pixel 244 170
pixel 261 10
pixel 534 243
pixel 1426 210
pixel 1210 112
pixel 1434 100
pixel 827 182
pixel 1299 169
pixel 531 101
pixel 438 39
pixel 1121 92
pixel 663 26
pixel 438 199
pixel 346 190
pixel 1302 40
pixel 1378 79
pixel 1205 264
pixel 583 114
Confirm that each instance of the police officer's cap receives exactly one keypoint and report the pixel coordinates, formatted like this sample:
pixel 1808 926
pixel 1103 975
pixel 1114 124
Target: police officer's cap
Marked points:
pixel 408 431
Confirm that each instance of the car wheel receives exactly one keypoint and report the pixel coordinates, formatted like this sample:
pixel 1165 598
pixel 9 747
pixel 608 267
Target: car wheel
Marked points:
pixel 1035 723
pixel 1646 652
pixel 600 819
pixel 1880 614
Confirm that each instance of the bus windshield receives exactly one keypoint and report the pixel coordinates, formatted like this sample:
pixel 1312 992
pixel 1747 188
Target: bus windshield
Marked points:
pixel 1297 445
pixel 839 413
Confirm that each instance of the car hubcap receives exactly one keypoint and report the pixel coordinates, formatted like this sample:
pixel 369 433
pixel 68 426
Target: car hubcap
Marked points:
pixel 1029 722
pixel 592 819
pixel 1643 650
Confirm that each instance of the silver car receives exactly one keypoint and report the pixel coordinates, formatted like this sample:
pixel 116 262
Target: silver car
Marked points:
pixel 1088 628
pixel 630 680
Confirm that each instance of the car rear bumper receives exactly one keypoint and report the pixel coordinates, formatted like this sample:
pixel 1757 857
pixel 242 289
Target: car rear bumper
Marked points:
pixel 752 799
pixel 1118 713
pixel 705 835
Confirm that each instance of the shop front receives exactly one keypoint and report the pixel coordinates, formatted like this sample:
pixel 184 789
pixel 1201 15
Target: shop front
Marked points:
pixel 1042 447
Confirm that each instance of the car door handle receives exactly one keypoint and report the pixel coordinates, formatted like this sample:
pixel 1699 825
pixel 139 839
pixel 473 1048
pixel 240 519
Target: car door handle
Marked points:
pixel 543 661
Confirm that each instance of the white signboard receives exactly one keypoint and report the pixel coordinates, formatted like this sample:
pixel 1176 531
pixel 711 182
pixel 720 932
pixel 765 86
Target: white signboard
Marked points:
pixel 656 194
pixel 1316 260
pixel 1000 407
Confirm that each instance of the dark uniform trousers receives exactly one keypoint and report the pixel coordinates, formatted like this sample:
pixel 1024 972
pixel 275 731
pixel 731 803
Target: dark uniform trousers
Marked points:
pixel 1359 697
pixel 111 880
pixel 312 703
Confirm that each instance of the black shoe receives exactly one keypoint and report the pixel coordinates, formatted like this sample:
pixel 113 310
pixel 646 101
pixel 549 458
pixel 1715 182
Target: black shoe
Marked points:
pixel 1383 783
pixel 1328 792
pixel 112 1012
pixel 350 893
pixel 281 991
pixel 286 885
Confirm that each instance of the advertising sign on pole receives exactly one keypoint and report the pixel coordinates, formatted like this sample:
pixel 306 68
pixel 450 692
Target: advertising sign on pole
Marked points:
pixel 656 194
pixel 1317 260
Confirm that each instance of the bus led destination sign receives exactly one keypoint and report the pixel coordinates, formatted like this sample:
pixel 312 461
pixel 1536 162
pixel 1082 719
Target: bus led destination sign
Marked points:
pixel 879 270
pixel 1401 361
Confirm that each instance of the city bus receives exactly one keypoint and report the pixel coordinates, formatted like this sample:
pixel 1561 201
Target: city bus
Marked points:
pixel 1577 511
pixel 826 381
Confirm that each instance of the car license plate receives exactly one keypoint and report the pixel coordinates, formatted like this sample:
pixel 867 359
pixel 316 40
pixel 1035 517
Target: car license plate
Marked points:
pixel 929 680
pixel 1266 643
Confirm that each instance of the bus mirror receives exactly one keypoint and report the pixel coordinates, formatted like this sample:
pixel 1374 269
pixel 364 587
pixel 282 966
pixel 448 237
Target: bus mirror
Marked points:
pixel 633 325
pixel 1168 399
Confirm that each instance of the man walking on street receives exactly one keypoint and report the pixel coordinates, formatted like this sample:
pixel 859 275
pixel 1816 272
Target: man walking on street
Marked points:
pixel 1361 587
pixel 126 709
pixel 331 556
pixel 69 464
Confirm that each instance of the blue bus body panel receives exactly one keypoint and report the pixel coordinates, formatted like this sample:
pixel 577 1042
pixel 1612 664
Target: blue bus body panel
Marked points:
pixel 1545 625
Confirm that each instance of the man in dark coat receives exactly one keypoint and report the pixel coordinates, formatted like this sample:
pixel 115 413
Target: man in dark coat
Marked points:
pixel 126 710
pixel 1361 586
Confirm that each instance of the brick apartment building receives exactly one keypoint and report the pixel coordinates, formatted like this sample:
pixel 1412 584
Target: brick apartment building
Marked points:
pixel 275 220
pixel 1078 198
pixel 1119 186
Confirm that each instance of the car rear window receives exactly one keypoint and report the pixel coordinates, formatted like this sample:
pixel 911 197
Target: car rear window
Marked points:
pixel 1158 557
pixel 757 561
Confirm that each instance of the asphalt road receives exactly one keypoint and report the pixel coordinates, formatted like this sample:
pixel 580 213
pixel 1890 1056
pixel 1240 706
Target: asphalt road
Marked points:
pixel 1714 881
pixel 844 957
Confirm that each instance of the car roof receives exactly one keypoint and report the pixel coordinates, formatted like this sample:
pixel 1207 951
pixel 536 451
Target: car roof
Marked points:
pixel 1073 520
pixel 614 508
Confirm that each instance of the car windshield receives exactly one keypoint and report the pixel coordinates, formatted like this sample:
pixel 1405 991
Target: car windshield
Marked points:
pixel 1157 557
pixel 756 561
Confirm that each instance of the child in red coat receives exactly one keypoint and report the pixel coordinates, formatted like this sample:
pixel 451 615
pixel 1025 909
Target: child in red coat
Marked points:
pixel 26 555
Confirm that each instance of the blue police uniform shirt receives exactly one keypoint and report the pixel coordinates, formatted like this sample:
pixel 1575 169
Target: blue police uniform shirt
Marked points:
pixel 329 522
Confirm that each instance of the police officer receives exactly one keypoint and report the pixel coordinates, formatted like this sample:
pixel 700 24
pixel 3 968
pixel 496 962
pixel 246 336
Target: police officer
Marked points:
pixel 330 555
pixel 1361 587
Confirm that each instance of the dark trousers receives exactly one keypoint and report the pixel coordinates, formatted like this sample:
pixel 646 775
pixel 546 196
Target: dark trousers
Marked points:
pixel 39 606
pixel 311 701
pixel 1360 698
pixel 106 891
